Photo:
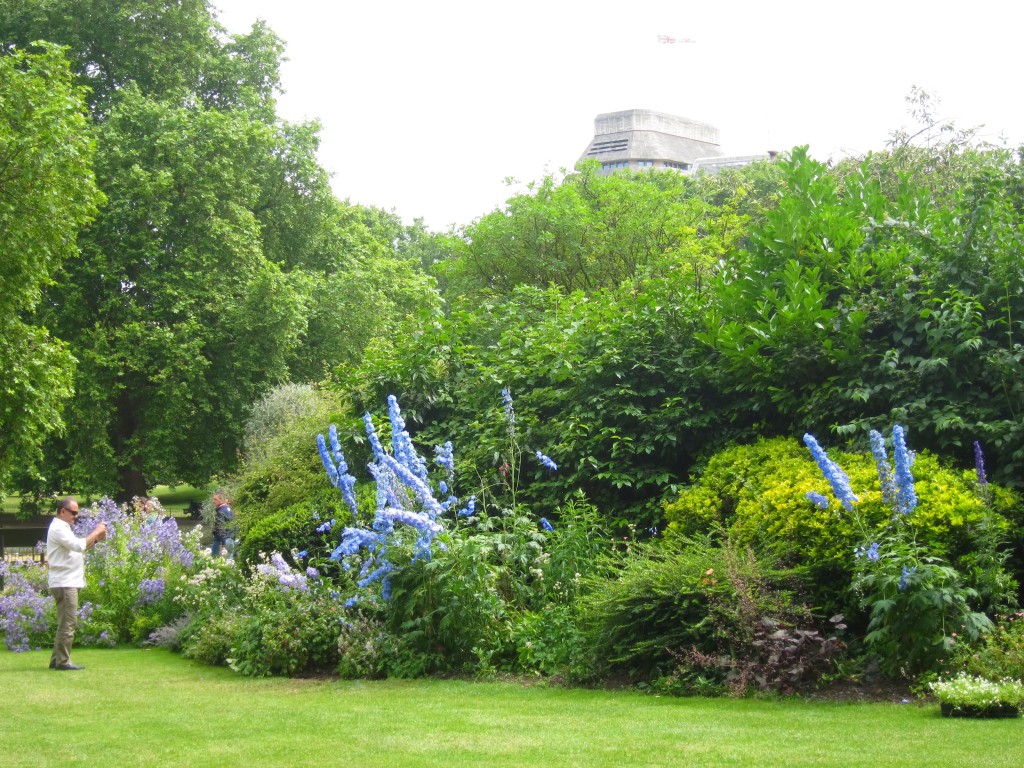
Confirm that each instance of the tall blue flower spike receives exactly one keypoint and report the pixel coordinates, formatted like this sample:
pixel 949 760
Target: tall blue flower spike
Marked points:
pixel 836 477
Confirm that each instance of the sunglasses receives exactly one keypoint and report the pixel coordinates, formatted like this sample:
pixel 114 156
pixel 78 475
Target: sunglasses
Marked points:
pixel 71 511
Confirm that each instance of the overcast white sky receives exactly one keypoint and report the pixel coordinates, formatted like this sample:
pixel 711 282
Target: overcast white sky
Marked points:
pixel 428 106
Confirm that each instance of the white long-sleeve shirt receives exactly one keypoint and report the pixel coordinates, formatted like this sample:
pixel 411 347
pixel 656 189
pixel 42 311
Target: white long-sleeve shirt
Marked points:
pixel 65 556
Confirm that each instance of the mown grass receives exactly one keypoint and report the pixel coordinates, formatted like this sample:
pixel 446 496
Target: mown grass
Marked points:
pixel 142 708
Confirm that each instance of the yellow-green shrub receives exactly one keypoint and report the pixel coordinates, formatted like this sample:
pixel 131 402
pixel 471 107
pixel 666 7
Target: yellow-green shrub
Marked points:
pixel 758 494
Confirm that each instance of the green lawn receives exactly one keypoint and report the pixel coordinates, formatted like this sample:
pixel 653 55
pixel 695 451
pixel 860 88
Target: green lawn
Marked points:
pixel 151 708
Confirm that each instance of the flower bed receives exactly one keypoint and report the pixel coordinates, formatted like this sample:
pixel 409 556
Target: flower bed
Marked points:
pixel 966 696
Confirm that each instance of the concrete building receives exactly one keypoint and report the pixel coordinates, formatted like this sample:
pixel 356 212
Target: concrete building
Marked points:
pixel 636 139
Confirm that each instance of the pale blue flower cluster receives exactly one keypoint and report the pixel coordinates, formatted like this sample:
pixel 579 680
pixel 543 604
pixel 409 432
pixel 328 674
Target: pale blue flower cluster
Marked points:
pixel 444 457
pixel 836 477
pixel 405 501
pixel 337 468
pixel 817 499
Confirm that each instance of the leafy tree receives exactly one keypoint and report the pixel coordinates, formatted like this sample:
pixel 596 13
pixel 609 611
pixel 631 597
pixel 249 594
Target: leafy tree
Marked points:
pixel 47 193
pixel 162 48
pixel 588 232
pixel 178 316
pixel 222 263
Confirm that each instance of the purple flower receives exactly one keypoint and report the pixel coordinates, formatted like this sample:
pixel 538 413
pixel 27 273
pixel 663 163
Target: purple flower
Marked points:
pixel 151 591
pixel 979 464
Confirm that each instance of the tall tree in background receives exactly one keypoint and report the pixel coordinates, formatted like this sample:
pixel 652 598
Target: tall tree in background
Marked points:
pixel 198 278
pixel 47 193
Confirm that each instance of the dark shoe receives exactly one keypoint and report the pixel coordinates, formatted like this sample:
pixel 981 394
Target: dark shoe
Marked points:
pixel 68 667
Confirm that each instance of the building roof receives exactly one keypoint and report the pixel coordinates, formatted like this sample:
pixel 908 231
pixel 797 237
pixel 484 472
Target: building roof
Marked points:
pixel 643 134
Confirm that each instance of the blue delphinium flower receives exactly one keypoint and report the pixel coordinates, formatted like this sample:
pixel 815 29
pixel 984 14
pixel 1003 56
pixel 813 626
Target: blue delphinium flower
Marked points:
pixel 325 527
pixel 836 477
pixel 416 484
pixel 546 525
pixel 337 467
pixel 346 482
pixel 354 539
pixel 821 502
pixel 404 451
pixel 882 466
pixel 405 500
pixel 328 462
pixel 871 553
pixel 547 462
pixel 469 509
pixel 445 458
pixel 371 434
pixel 906 497
pixel 510 414
pixel 903 577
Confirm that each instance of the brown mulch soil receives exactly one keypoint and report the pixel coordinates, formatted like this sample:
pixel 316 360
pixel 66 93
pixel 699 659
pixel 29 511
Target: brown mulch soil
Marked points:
pixel 849 690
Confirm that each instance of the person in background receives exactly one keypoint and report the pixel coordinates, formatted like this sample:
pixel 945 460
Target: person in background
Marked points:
pixel 223 524
pixel 65 556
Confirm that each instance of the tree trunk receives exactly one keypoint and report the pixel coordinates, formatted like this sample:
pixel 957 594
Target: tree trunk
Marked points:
pixel 131 482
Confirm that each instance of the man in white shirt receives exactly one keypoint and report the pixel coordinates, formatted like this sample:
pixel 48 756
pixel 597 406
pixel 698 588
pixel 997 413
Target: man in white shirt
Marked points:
pixel 65 557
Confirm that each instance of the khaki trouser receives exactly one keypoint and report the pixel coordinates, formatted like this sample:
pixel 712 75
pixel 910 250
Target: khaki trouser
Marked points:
pixel 67 618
